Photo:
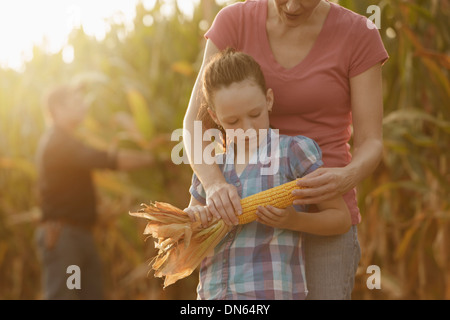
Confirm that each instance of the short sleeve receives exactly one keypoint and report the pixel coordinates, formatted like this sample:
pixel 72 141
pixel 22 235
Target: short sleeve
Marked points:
pixel 368 48
pixel 304 156
pixel 224 31
pixel 197 190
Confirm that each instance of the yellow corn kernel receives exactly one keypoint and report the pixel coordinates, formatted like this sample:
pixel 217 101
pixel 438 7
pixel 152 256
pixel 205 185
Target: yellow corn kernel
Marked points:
pixel 279 197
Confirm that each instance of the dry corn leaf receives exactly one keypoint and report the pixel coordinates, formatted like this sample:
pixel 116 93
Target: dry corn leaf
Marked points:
pixel 183 244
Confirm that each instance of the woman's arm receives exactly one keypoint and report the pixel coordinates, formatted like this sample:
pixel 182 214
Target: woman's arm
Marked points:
pixel 367 113
pixel 333 218
pixel 223 200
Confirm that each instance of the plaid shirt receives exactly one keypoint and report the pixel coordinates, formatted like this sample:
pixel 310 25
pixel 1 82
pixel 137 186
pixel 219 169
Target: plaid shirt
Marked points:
pixel 255 261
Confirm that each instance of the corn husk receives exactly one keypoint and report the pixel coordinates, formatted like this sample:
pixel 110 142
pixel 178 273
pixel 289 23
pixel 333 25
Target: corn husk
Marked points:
pixel 181 243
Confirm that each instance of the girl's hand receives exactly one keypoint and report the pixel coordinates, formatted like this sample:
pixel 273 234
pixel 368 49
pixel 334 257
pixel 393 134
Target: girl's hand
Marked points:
pixel 275 217
pixel 323 184
pixel 223 201
pixel 199 212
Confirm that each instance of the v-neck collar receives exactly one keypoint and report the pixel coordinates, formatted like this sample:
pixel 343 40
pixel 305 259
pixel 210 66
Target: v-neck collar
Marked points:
pixel 264 39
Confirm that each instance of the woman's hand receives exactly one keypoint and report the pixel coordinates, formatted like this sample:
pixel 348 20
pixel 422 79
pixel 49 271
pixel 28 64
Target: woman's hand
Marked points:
pixel 275 217
pixel 223 201
pixel 199 212
pixel 323 184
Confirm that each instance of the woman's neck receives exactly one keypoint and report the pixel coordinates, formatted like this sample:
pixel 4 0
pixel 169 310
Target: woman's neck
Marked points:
pixel 315 17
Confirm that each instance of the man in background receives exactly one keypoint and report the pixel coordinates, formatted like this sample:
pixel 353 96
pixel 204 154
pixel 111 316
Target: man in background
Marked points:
pixel 67 196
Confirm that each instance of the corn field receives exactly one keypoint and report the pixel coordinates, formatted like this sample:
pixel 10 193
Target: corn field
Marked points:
pixel 140 83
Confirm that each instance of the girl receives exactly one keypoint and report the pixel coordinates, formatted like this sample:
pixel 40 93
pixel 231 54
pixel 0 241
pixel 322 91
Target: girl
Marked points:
pixel 262 259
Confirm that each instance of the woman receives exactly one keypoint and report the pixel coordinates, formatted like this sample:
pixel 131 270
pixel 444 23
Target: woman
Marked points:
pixel 323 63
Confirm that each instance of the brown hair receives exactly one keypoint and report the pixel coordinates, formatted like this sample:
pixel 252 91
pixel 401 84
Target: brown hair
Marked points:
pixel 225 68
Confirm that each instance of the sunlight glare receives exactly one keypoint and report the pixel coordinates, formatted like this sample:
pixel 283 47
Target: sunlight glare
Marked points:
pixel 48 23
pixel 68 54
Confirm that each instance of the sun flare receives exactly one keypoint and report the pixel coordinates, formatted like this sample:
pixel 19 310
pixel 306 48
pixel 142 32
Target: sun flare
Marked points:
pixel 48 23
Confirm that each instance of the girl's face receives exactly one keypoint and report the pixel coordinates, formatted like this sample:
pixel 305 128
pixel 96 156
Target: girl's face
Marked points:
pixel 293 12
pixel 242 105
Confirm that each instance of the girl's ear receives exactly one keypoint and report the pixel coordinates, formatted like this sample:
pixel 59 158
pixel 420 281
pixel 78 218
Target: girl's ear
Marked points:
pixel 213 116
pixel 269 99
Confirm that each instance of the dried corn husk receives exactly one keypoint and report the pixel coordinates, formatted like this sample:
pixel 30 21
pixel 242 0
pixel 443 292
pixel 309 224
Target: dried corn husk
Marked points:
pixel 181 243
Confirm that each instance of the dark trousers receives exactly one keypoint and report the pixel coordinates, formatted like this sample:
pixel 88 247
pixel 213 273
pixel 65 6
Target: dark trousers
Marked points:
pixel 71 266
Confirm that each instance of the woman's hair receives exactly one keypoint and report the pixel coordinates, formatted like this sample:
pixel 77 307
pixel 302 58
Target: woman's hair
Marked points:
pixel 225 68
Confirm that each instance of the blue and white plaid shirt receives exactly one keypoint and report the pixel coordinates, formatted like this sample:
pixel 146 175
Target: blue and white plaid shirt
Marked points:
pixel 255 261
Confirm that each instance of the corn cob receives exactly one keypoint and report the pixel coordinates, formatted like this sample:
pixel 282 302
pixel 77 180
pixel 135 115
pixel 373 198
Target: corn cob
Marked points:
pixel 279 197
pixel 183 244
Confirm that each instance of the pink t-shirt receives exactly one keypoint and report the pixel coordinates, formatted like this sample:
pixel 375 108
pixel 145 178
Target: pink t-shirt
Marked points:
pixel 313 97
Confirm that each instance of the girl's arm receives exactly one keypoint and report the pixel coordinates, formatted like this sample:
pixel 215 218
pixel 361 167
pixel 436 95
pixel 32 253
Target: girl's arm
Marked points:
pixel 222 199
pixel 333 218
pixel 367 113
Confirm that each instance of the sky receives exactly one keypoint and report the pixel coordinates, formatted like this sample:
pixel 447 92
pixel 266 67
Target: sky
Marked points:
pixel 48 23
